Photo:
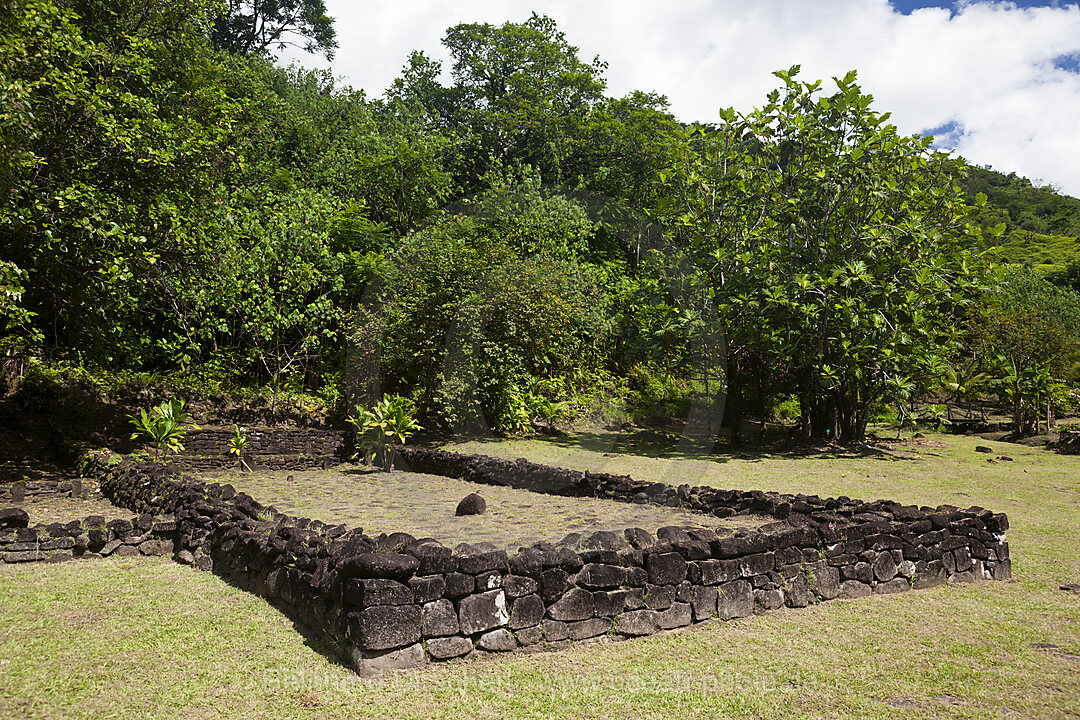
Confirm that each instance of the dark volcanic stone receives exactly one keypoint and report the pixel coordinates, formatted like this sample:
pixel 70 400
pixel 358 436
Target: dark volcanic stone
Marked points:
pixel 380 565
pixel 659 597
pixel 703 602
pixel 666 569
pixel 609 603
pixel 518 586
pixel 714 572
pixel 526 612
pixel 797 591
pixel 552 584
pixel 475 562
pixel 584 629
pixel 478 613
pixel 376 591
pixel 471 504
pixel 605 540
pixel 577 604
pixel 678 615
pixel 735 600
pixel 638 622
pixel 459 584
pixel 884 567
pixel 444 648
pixel 427 588
pixel 499 640
pixel 439 618
pixel 385 627
pixel 601 577
pixel 13 518
pixel 825 582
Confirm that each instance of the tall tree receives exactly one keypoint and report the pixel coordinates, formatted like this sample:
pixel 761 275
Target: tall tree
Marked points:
pixel 836 249
pixel 116 132
pixel 520 96
pixel 254 27
pixel 1029 328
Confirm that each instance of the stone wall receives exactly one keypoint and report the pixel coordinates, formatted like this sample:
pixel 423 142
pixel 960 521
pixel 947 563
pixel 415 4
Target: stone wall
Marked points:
pixel 1068 443
pixel 392 601
pixel 271 448
pixel 82 539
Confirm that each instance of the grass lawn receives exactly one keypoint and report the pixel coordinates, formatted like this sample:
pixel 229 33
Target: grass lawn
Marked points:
pixel 139 638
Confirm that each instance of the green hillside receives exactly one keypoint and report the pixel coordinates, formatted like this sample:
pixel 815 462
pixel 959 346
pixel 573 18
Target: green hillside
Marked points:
pixel 1042 226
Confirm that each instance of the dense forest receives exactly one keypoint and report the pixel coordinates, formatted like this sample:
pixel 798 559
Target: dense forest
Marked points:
pixel 513 245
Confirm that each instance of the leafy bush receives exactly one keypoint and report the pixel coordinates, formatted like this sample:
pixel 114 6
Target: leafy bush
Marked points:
pixel 787 410
pixel 655 396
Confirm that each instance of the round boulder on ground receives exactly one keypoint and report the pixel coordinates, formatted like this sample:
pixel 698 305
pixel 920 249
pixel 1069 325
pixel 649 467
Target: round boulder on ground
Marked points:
pixel 471 504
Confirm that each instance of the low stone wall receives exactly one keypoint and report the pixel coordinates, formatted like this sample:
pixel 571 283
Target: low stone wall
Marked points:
pixel 271 448
pixel 82 539
pixel 393 601
pixel 1068 443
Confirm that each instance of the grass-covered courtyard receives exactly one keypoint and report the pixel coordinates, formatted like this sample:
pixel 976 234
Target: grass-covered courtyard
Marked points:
pixel 148 638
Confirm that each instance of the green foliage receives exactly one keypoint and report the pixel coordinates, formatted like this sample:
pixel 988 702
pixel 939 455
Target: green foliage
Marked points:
pixel 655 395
pixel 165 425
pixel 468 319
pixel 183 217
pixel 828 245
pixel 239 442
pixel 250 27
pixel 391 420
pixel 1028 330
pixel 238 445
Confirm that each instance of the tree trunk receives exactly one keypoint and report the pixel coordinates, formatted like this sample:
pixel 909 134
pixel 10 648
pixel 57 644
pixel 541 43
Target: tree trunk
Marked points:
pixel 1018 412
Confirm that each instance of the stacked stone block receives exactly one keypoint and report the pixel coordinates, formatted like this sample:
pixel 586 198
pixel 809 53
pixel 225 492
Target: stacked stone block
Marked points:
pixel 82 539
pixel 390 601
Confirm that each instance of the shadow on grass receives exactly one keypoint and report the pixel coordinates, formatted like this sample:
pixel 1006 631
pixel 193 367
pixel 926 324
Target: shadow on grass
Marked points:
pixel 672 444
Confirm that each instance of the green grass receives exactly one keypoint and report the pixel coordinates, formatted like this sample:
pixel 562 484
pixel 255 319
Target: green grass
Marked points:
pixel 148 638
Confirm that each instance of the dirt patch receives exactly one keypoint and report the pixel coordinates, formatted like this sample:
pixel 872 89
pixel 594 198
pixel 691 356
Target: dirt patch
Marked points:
pixel 424 505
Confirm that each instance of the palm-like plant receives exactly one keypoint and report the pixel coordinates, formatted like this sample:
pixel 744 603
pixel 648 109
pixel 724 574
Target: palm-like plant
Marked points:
pixel 164 425
pixel 392 419
pixel 238 443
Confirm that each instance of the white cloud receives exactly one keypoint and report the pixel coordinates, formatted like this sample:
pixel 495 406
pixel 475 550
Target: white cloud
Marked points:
pixel 989 67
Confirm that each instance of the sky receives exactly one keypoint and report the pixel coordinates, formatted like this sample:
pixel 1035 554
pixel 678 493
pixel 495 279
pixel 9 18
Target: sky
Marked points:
pixel 996 82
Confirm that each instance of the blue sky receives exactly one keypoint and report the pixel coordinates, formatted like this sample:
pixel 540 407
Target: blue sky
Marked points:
pixel 998 82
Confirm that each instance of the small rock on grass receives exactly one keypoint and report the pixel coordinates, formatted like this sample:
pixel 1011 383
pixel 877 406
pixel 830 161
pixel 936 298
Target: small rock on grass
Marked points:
pixel 983 449
pixel 1071 587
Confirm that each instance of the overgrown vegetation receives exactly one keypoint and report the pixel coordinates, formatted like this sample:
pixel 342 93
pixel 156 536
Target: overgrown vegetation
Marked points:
pixel 510 250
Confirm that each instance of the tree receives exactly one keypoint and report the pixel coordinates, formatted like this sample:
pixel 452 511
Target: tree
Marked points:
pixel 520 96
pixel 1028 328
pixel 834 250
pixel 254 27
pixel 116 133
